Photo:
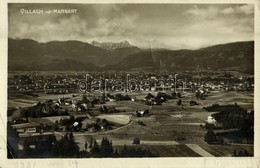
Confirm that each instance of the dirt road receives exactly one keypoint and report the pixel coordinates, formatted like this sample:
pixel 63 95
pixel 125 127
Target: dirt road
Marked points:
pixel 196 148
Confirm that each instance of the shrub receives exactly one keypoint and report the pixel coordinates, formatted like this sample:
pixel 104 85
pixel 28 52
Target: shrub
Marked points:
pixel 136 141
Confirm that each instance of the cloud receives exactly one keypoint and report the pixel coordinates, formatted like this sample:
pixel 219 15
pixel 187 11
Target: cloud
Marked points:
pixel 104 10
pixel 120 25
pixel 215 24
pixel 76 27
pixel 173 27
pixel 227 11
pixel 212 11
pixel 70 28
pixel 209 12
pixel 244 9
pixel 247 9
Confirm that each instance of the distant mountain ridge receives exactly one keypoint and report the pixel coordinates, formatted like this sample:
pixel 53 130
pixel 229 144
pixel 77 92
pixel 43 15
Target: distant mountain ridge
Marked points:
pixel 25 54
pixel 111 45
pixel 237 56
pixel 233 56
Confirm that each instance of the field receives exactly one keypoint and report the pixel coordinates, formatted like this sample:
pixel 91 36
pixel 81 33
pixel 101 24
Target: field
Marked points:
pixel 169 121
pixel 20 103
pixel 169 131
pixel 119 119
pixel 226 150
pixel 168 151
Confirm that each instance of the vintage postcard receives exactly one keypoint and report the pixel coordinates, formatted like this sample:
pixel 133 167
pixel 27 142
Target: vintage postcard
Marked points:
pixel 86 83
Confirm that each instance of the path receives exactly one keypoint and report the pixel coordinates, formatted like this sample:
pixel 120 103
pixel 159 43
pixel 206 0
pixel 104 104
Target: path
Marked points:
pixel 196 148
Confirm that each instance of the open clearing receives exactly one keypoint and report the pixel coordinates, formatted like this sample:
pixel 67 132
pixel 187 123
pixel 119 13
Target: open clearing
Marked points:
pixel 116 118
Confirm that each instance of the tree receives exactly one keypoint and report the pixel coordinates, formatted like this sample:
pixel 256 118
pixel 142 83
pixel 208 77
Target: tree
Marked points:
pixel 103 109
pixel 220 140
pixel 95 150
pixel 12 141
pixel 174 95
pixel 210 137
pixel 66 147
pixel 146 112
pixel 193 103
pixel 96 127
pixel 124 151
pixel 149 96
pixel 136 141
pixel 179 95
pixel 106 149
pixel 72 119
pixel 85 99
pixel 105 123
pixel 179 102
pixel 86 145
pixel 91 143
pixel 98 120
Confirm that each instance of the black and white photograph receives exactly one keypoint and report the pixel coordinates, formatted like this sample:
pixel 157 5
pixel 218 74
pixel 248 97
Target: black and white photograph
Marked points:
pixel 130 80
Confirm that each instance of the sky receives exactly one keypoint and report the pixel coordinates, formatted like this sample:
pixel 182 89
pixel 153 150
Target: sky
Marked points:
pixel 171 26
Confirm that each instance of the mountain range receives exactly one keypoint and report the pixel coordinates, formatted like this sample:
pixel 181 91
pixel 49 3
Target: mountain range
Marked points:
pixel 111 45
pixel 26 54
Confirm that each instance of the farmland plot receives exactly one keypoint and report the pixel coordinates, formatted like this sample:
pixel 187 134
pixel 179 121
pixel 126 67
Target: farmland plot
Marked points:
pixel 119 119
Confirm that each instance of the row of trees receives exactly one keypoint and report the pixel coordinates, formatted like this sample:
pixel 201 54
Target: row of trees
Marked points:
pixel 165 96
pixel 12 141
pixel 233 116
pixel 98 125
pixel 105 109
pixel 241 153
pixel 71 123
pixel 40 110
pixel 105 149
pixel 230 117
pixel 212 138
pixel 119 97
pixel 66 147
pixel 219 108
pixel 48 147
pixel 38 147
pixel 160 98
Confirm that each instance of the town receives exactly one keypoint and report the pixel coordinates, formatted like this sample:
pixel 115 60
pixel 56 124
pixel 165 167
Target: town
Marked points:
pixel 214 108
